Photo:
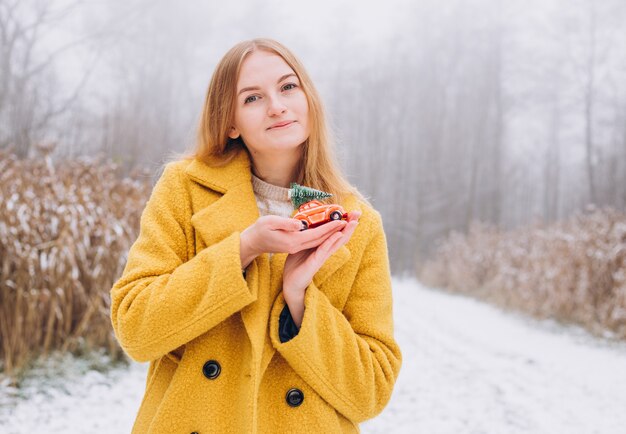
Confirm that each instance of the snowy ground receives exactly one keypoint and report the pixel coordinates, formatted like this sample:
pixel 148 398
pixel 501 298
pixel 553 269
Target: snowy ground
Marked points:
pixel 468 368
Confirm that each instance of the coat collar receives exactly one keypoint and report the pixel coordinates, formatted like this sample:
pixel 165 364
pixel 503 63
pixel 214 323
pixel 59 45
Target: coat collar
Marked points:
pixel 221 178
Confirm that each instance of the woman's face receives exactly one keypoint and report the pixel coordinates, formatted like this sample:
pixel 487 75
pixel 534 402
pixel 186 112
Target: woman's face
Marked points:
pixel 272 112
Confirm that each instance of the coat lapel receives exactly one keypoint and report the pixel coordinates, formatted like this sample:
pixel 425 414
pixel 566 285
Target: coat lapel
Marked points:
pixel 233 212
pixel 236 209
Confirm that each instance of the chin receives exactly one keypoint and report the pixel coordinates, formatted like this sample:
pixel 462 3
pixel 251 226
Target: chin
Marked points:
pixel 288 143
pixel 278 148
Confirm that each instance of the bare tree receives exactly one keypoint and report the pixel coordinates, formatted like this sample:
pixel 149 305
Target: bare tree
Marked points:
pixel 29 101
pixel 589 72
pixel 552 163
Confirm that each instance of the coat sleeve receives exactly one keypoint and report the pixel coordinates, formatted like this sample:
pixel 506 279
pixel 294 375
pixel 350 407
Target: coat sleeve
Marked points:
pixel 349 358
pixel 163 300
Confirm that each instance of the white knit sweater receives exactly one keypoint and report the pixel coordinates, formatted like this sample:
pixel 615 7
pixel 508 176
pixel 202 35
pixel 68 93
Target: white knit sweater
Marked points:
pixel 271 199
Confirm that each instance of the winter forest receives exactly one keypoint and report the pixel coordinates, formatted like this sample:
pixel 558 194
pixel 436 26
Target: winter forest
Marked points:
pixel 445 113
pixel 489 134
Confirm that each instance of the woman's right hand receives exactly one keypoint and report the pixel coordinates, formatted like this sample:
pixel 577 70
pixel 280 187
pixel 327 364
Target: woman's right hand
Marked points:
pixel 275 234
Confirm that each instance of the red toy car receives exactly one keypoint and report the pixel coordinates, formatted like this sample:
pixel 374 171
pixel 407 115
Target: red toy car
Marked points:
pixel 315 213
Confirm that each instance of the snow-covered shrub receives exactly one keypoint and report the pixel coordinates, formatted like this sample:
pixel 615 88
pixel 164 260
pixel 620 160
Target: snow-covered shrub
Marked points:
pixel 65 230
pixel 573 271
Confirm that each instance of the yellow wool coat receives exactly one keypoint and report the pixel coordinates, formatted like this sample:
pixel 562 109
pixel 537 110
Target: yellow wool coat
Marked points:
pixel 211 336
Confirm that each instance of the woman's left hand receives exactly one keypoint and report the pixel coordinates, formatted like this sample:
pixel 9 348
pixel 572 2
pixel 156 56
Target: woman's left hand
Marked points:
pixel 300 267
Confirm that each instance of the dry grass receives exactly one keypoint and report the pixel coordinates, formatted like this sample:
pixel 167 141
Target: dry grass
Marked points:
pixel 573 271
pixel 65 230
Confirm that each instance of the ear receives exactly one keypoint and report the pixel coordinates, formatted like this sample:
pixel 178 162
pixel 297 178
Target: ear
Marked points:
pixel 233 133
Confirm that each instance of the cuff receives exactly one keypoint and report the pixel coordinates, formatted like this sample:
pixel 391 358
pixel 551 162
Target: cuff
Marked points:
pixel 287 328
pixel 306 331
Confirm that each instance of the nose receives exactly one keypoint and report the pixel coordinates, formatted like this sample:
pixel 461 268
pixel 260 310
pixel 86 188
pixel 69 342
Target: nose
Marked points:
pixel 276 106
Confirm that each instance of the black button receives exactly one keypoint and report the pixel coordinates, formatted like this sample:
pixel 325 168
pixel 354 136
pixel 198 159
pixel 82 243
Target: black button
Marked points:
pixel 195 432
pixel 294 397
pixel 211 369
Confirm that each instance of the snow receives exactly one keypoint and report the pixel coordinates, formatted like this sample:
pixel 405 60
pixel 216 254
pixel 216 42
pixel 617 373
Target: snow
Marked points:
pixel 467 368
pixel 65 396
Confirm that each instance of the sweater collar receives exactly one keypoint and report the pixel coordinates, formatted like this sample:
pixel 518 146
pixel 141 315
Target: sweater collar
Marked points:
pixel 269 191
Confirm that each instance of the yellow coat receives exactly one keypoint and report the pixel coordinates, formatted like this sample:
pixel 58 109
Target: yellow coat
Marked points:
pixel 211 336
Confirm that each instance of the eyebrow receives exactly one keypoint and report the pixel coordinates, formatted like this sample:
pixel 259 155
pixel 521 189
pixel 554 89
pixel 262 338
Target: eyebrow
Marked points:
pixel 245 89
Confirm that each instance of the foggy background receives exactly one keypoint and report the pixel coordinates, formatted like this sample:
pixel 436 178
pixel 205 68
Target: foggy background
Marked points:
pixel 446 112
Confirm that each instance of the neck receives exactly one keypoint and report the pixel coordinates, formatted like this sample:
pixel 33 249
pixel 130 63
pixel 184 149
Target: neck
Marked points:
pixel 280 170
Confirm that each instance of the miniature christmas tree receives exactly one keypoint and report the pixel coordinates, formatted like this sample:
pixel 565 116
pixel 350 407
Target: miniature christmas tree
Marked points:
pixel 300 194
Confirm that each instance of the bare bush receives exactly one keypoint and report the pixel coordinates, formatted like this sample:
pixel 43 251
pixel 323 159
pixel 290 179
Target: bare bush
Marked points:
pixel 65 230
pixel 572 271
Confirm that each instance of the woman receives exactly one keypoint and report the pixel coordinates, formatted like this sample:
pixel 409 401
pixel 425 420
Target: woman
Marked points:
pixel 250 324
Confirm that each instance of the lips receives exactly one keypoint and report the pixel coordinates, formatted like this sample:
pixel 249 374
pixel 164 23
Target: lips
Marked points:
pixel 281 124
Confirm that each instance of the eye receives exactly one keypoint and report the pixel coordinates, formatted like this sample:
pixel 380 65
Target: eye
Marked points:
pixel 289 86
pixel 251 98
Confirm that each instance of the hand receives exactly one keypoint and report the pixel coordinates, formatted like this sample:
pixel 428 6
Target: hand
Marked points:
pixel 275 234
pixel 300 267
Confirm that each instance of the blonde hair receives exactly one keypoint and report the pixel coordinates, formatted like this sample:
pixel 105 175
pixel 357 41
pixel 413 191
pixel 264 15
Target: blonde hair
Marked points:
pixel 318 167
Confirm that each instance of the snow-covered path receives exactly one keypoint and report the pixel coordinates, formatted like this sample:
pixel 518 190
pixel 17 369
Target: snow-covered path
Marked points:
pixel 471 368
pixel 468 368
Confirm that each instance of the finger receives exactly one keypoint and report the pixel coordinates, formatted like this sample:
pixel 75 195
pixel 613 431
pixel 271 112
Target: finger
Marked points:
pixel 330 226
pixel 354 215
pixel 349 230
pixel 321 231
pixel 317 241
pixel 285 224
pixel 303 240
pixel 334 241
pixel 326 248
pixel 313 238
pixel 350 227
pixel 346 234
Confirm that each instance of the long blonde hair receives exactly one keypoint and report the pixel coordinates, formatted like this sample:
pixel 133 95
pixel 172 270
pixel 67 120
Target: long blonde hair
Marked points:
pixel 318 167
